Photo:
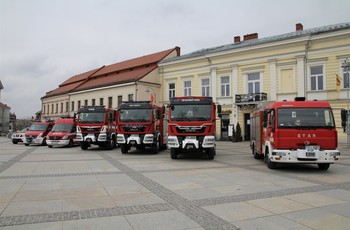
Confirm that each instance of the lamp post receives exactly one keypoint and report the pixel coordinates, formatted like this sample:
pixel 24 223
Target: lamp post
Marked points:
pixel 346 69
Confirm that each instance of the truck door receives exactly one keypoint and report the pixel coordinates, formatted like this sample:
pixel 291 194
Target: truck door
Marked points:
pixel 225 121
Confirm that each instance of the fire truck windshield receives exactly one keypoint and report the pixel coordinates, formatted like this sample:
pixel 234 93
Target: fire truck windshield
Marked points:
pixel 93 117
pixel 62 127
pixel 197 112
pixel 132 115
pixel 38 127
pixel 305 118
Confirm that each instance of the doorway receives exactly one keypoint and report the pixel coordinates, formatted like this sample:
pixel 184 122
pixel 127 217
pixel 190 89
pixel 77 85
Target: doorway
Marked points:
pixel 247 126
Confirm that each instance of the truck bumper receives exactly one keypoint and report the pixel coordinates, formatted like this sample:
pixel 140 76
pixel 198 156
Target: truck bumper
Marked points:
pixel 57 143
pixel 135 139
pixel 91 138
pixel 302 156
pixel 191 142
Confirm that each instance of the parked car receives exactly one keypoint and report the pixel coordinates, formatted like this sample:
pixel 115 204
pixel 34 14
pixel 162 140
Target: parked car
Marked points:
pixel 19 136
pixel 37 132
pixel 63 133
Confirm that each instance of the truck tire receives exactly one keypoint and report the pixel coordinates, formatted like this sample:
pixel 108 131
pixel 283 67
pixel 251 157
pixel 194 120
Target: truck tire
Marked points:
pixel 50 146
pixel 270 164
pixel 110 144
pixel 83 146
pixel 15 142
pixel 156 146
pixel 255 154
pixel 323 166
pixel 173 153
pixel 44 142
pixel 26 144
pixel 124 148
pixel 211 153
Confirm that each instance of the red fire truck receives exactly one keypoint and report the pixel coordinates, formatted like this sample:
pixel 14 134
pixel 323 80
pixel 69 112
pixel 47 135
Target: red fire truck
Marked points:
pixel 96 125
pixel 295 132
pixel 191 125
pixel 63 133
pixel 37 132
pixel 140 124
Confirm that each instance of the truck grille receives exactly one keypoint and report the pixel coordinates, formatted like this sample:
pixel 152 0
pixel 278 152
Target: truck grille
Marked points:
pixel 190 129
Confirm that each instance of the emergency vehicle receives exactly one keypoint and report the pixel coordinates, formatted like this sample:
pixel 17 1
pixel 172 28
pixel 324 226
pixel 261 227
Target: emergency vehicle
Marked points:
pixel 192 125
pixel 96 125
pixel 37 132
pixel 63 133
pixel 296 131
pixel 140 125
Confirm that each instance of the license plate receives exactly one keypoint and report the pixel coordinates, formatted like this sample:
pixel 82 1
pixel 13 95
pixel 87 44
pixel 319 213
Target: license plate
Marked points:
pixel 310 154
pixel 311 148
pixel 191 137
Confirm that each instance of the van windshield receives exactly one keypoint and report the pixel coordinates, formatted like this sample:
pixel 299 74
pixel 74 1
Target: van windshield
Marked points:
pixel 38 127
pixel 62 128
pixel 195 112
pixel 91 117
pixel 132 115
pixel 305 118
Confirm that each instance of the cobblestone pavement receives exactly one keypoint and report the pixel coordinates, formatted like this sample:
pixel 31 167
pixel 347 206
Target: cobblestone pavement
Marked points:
pixel 68 188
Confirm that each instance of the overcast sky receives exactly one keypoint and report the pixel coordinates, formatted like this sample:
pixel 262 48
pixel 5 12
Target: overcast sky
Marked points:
pixel 45 42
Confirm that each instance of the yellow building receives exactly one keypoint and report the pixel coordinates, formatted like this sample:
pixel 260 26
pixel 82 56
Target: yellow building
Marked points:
pixel 243 74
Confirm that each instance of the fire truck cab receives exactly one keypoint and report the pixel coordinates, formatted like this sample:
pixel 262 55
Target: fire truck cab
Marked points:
pixel 192 125
pixel 295 132
pixel 96 125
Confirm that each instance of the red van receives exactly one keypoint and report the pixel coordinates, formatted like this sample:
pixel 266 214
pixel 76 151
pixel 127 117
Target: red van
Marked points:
pixel 37 132
pixel 63 133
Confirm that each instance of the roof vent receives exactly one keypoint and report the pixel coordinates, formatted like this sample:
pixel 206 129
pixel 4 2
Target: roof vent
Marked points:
pixel 250 36
pixel 299 27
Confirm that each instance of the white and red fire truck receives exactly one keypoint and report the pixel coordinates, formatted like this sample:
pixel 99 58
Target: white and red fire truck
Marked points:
pixel 140 125
pixel 296 131
pixel 192 125
pixel 96 125
pixel 63 133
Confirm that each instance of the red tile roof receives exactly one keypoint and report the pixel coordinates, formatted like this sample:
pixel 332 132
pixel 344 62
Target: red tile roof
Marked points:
pixel 118 73
pixel 4 106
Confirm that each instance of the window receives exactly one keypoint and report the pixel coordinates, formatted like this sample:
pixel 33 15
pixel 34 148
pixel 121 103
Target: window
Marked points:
pixel 110 102
pixel 120 100
pixel 67 106
pixel 205 87
pixel 93 102
pixel 316 77
pixel 346 79
pixel 79 104
pixel 101 101
pixel 61 107
pixel 253 83
pixel 48 109
pixel 44 109
pixel 187 88
pixel 130 97
pixel 225 86
pixel 56 107
pixel 52 108
pixel 86 103
pixel 72 107
pixel 171 90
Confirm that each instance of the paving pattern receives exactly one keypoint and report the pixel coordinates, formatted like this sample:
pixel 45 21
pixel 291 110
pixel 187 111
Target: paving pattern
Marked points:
pixel 67 188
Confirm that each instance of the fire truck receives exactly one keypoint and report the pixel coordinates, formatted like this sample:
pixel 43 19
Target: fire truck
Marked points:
pixel 140 125
pixel 96 125
pixel 296 131
pixel 37 132
pixel 63 133
pixel 192 125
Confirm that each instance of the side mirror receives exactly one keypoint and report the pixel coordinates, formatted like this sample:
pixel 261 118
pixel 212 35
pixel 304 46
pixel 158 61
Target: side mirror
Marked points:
pixel 264 124
pixel 163 111
pixel 219 108
pixel 157 114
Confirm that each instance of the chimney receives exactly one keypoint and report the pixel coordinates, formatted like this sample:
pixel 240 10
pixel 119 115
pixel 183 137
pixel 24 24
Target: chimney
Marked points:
pixel 298 26
pixel 250 36
pixel 237 39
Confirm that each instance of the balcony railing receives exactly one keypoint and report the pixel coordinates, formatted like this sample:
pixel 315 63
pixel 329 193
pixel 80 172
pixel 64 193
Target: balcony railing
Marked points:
pixel 250 98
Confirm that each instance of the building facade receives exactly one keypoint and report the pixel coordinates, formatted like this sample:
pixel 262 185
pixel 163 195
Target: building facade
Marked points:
pixel 251 72
pixel 135 79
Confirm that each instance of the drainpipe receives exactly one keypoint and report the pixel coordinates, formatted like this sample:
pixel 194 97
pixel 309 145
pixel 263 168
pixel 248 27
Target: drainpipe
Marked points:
pixel 136 89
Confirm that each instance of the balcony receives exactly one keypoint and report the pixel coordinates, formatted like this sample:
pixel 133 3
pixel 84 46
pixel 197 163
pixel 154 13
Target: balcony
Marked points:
pixel 249 101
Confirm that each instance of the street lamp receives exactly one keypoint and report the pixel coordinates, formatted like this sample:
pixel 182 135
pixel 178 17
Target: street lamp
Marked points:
pixel 346 69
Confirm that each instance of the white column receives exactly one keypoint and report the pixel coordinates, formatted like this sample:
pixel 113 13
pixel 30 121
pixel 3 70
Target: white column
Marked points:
pixel 213 83
pixel 273 79
pixel 300 76
pixel 234 92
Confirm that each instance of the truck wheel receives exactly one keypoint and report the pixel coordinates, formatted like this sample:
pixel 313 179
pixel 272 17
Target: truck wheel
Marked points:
pixel 15 142
pixel 44 142
pixel 26 144
pixel 83 146
pixel 173 153
pixel 110 144
pixel 50 146
pixel 156 146
pixel 256 155
pixel 270 164
pixel 211 153
pixel 323 166
pixel 124 148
